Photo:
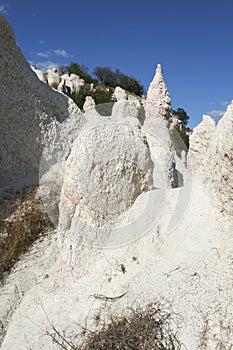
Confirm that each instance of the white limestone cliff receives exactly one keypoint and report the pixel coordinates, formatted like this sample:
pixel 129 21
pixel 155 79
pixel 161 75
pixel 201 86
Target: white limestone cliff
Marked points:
pixel 199 148
pixel 220 170
pixel 211 158
pixel 37 122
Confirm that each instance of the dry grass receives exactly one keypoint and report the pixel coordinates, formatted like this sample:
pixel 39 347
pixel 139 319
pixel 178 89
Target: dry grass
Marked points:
pixel 142 328
pixel 21 222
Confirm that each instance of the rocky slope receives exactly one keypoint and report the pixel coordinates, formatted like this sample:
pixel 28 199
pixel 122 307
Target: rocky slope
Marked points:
pixel 117 234
pixel 36 121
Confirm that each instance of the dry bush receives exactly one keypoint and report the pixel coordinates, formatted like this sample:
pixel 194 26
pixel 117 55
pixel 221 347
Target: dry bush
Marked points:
pixel 21 222
pixel 141 328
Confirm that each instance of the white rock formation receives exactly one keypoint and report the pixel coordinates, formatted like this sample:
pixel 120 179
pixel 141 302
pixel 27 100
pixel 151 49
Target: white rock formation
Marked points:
pixel 191 270
pixel 200 142
pixel 211 158
pixel 138 101
pixel 64 83
pixel 108 168
pixel 70 83
pixel 91 115
pixel 77 83
pixel 220 169
pixel 89 104
pixel 53 77
pixel 124 110
pixel 158 98
pixel 39 74
pixel 156 129
pixel 36 121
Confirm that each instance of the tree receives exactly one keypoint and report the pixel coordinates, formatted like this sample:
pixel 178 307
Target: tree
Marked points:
pixel 182 115
pixel 82 71
pixel 105 76
pixel 130 84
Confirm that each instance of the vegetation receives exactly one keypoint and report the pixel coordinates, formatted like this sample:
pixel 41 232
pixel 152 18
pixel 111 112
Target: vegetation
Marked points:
pixel 82 71
pixel 182 115
pixel 100 95
pixel 107 77
pixel 142 328
pixel 21 223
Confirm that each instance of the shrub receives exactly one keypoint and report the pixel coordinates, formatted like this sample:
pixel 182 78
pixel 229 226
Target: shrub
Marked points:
pixel 82 71
pixel 20 225
pixel 142 328
pixel 100 95
pixel 107 77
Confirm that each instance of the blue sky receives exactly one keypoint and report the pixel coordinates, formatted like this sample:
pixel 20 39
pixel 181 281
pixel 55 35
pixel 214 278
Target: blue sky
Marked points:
pixel 191 39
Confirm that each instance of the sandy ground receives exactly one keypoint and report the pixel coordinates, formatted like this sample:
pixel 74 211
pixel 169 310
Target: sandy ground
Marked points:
pixel 190 270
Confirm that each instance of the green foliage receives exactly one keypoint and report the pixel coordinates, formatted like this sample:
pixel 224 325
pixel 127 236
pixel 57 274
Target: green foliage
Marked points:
pixel 107 77
pixel 130 84
pixel 82 71
pixel 100 96
pixel 182 115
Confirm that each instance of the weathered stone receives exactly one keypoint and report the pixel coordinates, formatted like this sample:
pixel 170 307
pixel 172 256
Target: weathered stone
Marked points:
pixel 37 123
pixel 124 110
pixel 199 147
pixel 89 104
pixel 70 84
pixel 211 158
pixel 158 98
pixel 108 168
pixel 39 74
pixel 157 133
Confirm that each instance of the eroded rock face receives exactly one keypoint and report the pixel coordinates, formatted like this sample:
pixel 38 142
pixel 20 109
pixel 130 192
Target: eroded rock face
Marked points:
pixel 211 158
pixel 200 142
pixel 39 74
pixel 124 110
pixel 157 133
pixel 220 172
pixel 158 98
pixel 53 78
pixel 89 104
pixel 162 154
pixel 36 121
pixel 70 83
pixel 108 168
